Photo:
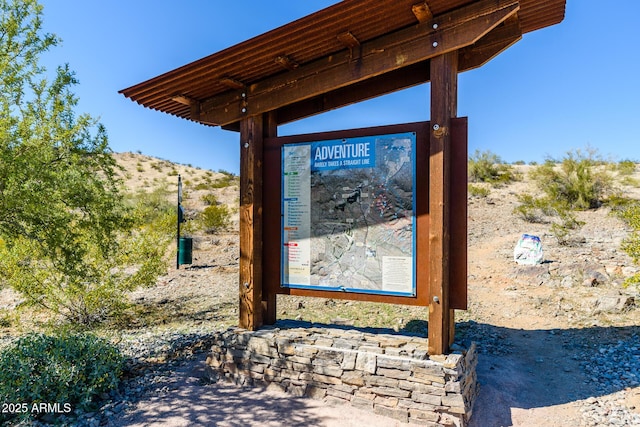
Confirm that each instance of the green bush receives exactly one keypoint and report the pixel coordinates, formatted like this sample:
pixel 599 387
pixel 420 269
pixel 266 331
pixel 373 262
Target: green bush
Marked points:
pixel 533 209
pixel 209 199
pixel 215 218
pixel 630 213
pixel 71 370
pixel 478 191
pixel 96 288
pixel 485 166
pixel 626 167
pixel 577 180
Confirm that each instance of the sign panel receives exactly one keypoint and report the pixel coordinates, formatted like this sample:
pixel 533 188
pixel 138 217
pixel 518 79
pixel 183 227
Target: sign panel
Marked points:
pixel 348 214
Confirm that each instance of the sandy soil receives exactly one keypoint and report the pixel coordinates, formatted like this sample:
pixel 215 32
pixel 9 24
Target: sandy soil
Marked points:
pixel 533 327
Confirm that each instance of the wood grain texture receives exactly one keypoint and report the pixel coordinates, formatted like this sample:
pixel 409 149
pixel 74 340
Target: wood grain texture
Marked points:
pixel 251 162
pixel 444 95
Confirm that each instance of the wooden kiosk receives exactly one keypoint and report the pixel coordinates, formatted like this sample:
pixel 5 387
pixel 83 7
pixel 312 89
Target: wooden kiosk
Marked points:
pixel 349 52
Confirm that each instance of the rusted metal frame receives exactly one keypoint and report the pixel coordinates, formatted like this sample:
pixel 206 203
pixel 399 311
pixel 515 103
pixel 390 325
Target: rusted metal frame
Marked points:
pixel 444 94
pixel 251 224
pixel 445 33
pixel 458 214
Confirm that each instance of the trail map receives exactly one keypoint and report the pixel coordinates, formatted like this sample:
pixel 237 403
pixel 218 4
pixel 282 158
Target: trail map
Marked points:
pixel 348 214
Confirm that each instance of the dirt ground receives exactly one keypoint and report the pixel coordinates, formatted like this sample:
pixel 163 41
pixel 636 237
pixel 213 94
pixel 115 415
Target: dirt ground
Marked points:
pixel 534 326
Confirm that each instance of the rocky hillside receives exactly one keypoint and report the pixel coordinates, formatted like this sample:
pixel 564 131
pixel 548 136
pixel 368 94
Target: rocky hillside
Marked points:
pixel 559 342
pixel 146 173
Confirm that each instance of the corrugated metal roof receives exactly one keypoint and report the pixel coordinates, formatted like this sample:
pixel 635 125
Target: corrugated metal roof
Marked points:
pixel 302 41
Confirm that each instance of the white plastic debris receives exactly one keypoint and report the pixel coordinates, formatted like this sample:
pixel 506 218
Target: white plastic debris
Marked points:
pixel 528 250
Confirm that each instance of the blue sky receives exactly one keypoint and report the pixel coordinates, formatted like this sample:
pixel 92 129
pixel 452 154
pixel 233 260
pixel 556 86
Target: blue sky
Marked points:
pixel 565 87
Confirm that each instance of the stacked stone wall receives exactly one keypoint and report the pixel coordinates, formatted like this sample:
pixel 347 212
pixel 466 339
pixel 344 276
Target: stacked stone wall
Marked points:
pixel 391 375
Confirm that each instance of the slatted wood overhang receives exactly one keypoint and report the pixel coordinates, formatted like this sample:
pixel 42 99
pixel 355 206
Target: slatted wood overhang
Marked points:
pixel 348 52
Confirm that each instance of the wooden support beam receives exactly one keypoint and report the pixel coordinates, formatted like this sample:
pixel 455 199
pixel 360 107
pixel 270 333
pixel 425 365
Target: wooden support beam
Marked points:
pixel 444 95
pixel 269 313
pixel 183 99
pixel 470 57
pixel 445 33
pixel 422 12
pixel 393 81
pixel 193 104
pixel 286 62
pixel 232 83
pixel 348 40
pixel 491 45
pixel 251 164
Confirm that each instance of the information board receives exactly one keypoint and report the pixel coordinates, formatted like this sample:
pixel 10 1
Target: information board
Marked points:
pixel 348 214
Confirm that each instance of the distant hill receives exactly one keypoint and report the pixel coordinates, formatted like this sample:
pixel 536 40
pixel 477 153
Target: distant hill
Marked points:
pixel 145 173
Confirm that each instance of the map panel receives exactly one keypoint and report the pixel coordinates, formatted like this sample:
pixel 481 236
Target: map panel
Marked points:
pixel 348 214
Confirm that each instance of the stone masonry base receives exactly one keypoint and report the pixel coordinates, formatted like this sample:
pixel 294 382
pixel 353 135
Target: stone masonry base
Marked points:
pixel 391 375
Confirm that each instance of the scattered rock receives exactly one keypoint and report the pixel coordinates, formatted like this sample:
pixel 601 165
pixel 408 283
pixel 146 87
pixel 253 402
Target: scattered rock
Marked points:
pixel 614 302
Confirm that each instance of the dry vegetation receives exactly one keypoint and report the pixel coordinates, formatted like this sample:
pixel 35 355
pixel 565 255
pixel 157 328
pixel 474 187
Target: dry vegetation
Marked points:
pixel 580 289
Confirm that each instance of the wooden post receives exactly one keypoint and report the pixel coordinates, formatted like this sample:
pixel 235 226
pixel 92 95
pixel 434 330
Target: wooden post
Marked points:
pixel 444 94
pixel 251 158
pixel 270 130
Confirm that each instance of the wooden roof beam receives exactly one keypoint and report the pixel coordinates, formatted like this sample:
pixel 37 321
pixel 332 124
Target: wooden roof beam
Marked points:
pixel 422 11
pixel 193 104
pixel 491 45
pixel 286 62
pixel 444 33
pixel 232 83
pixel 348 40
pixel 469 58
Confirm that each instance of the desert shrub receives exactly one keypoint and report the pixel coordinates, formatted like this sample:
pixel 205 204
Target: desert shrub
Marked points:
pixel 576 180
pixel 228 179
pixel 630 213
pixel 485 166
pixel 66 369
pixel 478 191
pixel 562 230
pixel 626 167
pixel 533 209
pixel 215 218
pixel 209 199
pixel 64 228
pixel 152 207
pixel 543 210
pixel 92 286
pixel 225 181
